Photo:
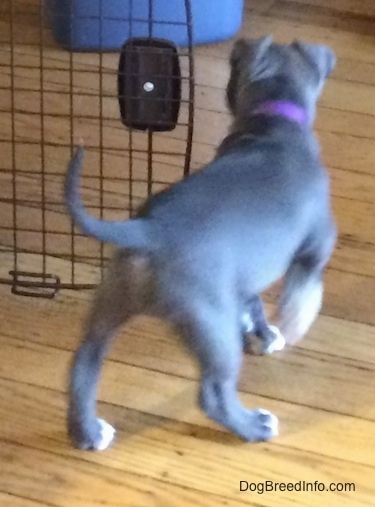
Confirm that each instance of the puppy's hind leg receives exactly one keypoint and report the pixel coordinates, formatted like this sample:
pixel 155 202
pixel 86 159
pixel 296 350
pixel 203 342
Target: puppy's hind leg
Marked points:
pixel 114 304
pixel 215 337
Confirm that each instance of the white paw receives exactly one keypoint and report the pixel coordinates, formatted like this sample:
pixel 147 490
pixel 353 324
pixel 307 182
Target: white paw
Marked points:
pixel 247 323
pixel 299 310
pixel 107 435
pixel 278 343
pixel 272 422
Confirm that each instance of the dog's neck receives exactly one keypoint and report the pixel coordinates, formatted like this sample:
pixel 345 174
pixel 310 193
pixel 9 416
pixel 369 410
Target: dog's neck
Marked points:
pixel 265 119
pixel 282 108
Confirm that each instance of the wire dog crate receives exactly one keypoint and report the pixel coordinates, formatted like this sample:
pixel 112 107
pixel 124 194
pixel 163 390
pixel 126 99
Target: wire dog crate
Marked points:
pixel 51 96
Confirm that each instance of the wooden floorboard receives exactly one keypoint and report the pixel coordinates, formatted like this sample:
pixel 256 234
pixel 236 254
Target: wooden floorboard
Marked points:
pixel 166 453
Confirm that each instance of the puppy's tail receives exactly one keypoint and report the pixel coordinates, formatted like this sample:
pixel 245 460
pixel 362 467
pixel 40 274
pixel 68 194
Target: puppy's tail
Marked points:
pixel 126 234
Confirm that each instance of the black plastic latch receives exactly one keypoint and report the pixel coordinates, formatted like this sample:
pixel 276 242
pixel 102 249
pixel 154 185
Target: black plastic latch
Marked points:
pixel 149 84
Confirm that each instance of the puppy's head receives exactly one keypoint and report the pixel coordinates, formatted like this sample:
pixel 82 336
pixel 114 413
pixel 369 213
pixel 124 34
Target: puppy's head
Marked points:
pixel 263 70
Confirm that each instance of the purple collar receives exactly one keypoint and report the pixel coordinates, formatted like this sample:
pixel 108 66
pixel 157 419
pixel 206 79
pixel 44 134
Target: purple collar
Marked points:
pixel 284 108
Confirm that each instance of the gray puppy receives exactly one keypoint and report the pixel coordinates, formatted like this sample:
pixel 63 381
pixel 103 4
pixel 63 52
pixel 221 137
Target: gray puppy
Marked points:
pixel 200 252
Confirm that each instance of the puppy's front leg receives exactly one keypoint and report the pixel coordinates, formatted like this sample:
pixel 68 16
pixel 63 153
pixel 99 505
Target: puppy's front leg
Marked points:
pixel 256 324
pixel 302 294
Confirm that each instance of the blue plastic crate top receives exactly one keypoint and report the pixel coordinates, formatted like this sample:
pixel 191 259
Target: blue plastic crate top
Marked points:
pixel 95 25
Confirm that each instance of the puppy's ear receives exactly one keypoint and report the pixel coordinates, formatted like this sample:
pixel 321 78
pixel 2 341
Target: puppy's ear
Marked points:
pixel 252 54
pixel 322 57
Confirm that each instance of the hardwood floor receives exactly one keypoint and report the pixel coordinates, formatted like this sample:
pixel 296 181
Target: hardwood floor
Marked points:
pixel 166 452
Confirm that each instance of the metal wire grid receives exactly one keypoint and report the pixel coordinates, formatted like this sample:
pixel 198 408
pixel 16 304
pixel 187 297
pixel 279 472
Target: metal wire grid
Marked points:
pixel 49 97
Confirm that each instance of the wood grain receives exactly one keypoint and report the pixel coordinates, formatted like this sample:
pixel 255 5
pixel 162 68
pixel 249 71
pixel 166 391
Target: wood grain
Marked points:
pixel 166 452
